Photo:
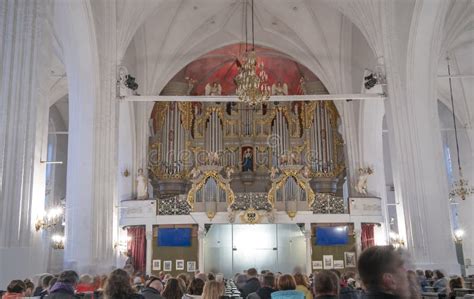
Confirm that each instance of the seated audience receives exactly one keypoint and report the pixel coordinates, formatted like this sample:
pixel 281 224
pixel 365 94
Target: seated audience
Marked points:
pixel 213 290
pixel 268 287
pixel 202 276
pixel 185 278
pixel 326 285
pixel 429 276
pixel 85 284
pixel 252 284
pixel 287 288
pixel 15 290
pixel 118 286
pixel 153 288
pixel 422 281
pixel 414 285
pixel 30 287
pixel 455 283
pixel 195 289
pixel 302 285
pixel 43 285
pixel 381 269
pixel 211 276
pixel 440 282
pixel 173 289
pixel 240 281
pixel 64 287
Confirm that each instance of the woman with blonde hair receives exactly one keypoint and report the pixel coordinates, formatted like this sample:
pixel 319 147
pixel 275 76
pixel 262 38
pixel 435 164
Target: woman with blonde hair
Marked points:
pixel 287 288
pixel 213 290
pixel 302 285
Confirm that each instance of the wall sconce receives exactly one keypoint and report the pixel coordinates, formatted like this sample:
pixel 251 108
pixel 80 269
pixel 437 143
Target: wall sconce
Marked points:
pixel 458 235
pixel 122 245
pixel 57 241
pixel 126 173
pixel 51 218
pixel 396 240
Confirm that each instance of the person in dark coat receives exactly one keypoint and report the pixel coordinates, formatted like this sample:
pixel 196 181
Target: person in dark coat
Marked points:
pixel 153 289
pixel 268 287
pixel 326 285
pixel 252 284
pixel 382 271
pixel 64 287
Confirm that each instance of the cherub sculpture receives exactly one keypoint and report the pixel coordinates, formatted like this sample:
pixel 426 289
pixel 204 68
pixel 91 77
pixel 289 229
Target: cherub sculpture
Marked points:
pixel 279 89
pixel 306 172
pixel 361 186
pixel 195 173
pixel 273 172
pixel 229 171
pixel 213 90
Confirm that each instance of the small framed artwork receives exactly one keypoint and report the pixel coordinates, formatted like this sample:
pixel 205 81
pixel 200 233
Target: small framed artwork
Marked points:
pixel 156 265
pixel 167 266
pixel 191 266
pixel 338 264
pixel 328 262
pixel 317 265
pixel 179 264
pixel 350 259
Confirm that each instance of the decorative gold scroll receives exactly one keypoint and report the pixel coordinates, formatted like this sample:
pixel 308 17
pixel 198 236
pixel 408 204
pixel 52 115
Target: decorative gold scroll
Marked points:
pixel 200 181
pixel 187 116
pixel 161 109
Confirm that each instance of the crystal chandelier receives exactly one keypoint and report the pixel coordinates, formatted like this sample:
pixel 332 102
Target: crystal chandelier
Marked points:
pixel 459 188
pixel 252 87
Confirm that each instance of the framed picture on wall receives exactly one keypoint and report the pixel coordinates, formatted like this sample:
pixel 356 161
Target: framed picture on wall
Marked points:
pixel 328 262
pixel 156 265
pixel 350 259
pixel 179 264
pixel 338 264
pixel 191 266
pixel 167 265
pixel 317 265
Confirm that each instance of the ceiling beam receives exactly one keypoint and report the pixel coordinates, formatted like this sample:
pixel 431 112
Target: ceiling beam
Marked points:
pixel 312 97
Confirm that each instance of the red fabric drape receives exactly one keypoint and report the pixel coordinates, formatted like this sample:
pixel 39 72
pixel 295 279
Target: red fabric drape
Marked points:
pixel 137 247
pixel 367 235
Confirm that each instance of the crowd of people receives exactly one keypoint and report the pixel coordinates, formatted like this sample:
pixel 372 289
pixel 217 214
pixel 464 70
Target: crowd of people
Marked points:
pixel 381 273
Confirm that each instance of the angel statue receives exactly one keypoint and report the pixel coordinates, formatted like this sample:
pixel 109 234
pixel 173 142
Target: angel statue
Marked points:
pixel 123 90
pixel 212 158
pixel 283 159
pixel 306 172
pixel 142 185
pixel 191 83
pixel 229 171
pixel 195 172
pixel 280 89
pixel 213 90
pixel 361 186
pixel 273 172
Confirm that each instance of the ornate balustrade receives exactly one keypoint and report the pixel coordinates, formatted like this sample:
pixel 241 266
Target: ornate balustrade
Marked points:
pixel 327 203
pixel 174 205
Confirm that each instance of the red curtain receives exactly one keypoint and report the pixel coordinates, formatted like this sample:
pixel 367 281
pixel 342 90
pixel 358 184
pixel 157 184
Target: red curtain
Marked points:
pixel 367 235
pixel 137 247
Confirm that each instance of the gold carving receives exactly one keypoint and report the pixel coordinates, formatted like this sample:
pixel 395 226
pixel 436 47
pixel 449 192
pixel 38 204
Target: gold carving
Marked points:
pixel 161 110
pixel 250 216
pixel 200 181
pixel 186 109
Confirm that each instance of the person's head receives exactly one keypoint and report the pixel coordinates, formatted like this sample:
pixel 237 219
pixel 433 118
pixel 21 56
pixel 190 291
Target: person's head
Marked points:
pixel 268 280
pixel 456 283
pixel 173 289
pixel 117 285
pixel 154 283
pixel 16 286
pixel 438 274
pixel 300 279
pixel 86 279
pixel 212 290
pixel 185 278
pixel 211 276
pixel 382 267
pixel 52 282
pixel 44 282
pixel 419 272
pixel 69 276
pixel 252 272
pixel 428 274
pixel 202 276
pixel 414 284
pixel 286 282
pixel 196 287
pixel 30 287
pixel 326 283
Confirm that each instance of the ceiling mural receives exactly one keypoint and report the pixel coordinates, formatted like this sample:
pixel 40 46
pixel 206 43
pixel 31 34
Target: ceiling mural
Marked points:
pixel 221 66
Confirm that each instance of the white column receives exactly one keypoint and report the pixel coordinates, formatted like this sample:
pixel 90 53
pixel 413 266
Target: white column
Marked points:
pixel 309 248
pixel 415 141
pixel 201 235
pixel 149 248
pixel 357 235
pixel 24 58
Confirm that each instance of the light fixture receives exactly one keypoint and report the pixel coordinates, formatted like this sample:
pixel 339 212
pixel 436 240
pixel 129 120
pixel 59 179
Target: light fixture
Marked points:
pixel 458 235
pixel 396 240
pixel 252 87
pixel 51 218
pixel 57 241
pixel 460 188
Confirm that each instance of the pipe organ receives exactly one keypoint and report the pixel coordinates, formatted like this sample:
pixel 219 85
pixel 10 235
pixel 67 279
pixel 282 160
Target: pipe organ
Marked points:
pixel 247 150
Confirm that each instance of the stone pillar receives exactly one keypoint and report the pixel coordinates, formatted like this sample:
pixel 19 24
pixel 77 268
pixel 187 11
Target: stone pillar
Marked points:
pixel 309 248
pixel 24 59
pixel 415 140
pixel 201 235
pixel 149 248
pixel 357 236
